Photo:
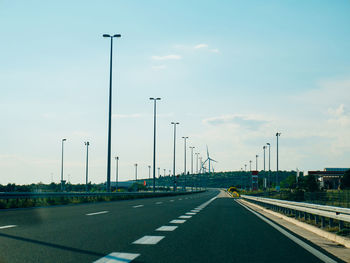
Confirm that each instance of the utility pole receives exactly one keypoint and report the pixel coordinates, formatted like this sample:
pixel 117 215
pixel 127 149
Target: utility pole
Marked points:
pixel 196 162
pixel 250 165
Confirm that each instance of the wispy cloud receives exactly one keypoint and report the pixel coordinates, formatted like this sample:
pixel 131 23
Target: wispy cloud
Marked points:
pixel 251 122
pixel 167 57
pixel 201 46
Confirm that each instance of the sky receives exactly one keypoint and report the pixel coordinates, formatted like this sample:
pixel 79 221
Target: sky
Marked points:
pixel 232 73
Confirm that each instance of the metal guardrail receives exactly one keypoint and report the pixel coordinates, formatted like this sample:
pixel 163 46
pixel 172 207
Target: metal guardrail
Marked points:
pixel 319 212
pixel 29 195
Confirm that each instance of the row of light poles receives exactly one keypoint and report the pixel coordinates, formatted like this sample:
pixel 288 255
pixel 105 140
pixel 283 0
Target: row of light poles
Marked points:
pixel 268 145
pixel 108 182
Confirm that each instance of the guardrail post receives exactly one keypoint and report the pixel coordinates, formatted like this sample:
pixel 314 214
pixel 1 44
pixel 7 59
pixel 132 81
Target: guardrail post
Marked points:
pixel 331 223
pixel 341 225
pixel 323 222
pixel 317 219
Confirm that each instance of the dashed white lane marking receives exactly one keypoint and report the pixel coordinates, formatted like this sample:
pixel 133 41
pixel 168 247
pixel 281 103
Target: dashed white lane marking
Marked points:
pixel 97 213
pixel 8 226
pixel 186 198
pixel 117 257
pixel 137 206
pixel 301 243
pixel 166 228
pixel 180 199
pixel 158 203
pixel 171 201
pixel 177 221
pixel 185 217
pixel 148 240
pixel 191 213
pixel 195 211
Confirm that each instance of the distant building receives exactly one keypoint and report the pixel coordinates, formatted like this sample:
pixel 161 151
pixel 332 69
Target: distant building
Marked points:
pixel 329 178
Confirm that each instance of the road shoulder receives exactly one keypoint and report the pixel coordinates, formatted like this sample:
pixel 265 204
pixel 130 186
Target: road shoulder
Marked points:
pixel 329 246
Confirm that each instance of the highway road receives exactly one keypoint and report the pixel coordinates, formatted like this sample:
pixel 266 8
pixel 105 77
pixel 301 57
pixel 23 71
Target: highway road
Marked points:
pixel 203 227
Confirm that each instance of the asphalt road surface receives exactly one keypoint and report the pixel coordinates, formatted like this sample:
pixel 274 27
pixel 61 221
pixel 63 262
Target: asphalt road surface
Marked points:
pixel 203 227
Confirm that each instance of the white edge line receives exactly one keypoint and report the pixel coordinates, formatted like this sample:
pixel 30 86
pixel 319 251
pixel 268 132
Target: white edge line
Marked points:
pixel 301 243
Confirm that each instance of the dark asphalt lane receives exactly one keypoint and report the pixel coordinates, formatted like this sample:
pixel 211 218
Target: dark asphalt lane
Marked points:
pixel 223 231
pixel 67 234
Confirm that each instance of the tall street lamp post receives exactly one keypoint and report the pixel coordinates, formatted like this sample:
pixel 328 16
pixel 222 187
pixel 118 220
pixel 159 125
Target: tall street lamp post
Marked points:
pixel 278 134
pixel 136 172
pixel 192 147
pixel 256 162
pixel 149 172
pixel 62 182
pixel 269 145
pixel 196 162
pixel 108 185
pixel 116 172
pixel 154 142
pixel 185 149
pixel 174 175
pixel 264 148
pixel 87 166
pixel 250 165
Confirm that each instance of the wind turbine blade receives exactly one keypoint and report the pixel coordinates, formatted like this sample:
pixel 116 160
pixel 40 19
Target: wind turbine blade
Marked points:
pixel 213 160
pixel 207 152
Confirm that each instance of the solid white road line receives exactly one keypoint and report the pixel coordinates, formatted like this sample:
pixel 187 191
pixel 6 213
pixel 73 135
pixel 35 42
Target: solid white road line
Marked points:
pixel 148 240
pixel 171 201
pixel 117 257
pixel 185 217
pixel 158 203
pixel 8 226
pixel 177 221
pixel 166 228
pixel 180 199
pixel 301 243
pixel 137 206
pixel 97 213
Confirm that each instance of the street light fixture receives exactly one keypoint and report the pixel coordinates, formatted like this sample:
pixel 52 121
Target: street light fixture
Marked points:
pixel 174 175
pixel 108 184
pixel 87 161
pixel 154 142
pixel 62 182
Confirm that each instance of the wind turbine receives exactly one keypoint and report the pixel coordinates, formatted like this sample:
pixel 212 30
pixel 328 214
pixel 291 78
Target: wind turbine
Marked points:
pixel 209 159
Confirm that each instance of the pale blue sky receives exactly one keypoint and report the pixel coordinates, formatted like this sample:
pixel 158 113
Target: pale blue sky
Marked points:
pixel 231 72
